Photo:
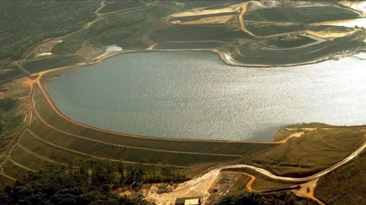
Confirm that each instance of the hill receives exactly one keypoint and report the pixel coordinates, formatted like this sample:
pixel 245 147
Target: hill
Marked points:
pixel 246 34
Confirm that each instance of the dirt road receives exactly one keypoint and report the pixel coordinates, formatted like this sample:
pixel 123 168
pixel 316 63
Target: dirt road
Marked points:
pixel 241 19
pixel 199 186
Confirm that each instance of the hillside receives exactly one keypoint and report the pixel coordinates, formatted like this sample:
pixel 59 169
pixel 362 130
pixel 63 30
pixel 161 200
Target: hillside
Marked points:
pixel 246 34
pixel 46 157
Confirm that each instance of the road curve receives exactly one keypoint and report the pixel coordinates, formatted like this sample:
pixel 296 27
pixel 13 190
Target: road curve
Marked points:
pixel 301 179
pixel 200 185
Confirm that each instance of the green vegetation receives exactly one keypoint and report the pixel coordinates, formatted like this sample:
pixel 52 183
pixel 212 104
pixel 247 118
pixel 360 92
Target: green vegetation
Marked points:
pixel 115 29
pixel 265 53
pixel 118 28
pixel 301 14
pixel 188 45
pixel 28 159
pixel 196 33
pixel 41 148
pixel 152 173
pixel 120 6
pixel 251 198
pixel 207 4
pixel 311 153
pixel 13 170
pixel 92 183
pixel 137 25
pixel 344 185
pixel 46 63
pixel 263 28
pixel 28 23
pixel 5 181
pixel 111 151
pixel 9 119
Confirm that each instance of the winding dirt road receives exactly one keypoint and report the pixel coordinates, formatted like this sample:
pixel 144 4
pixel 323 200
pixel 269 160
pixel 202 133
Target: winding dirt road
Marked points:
pixel 199 186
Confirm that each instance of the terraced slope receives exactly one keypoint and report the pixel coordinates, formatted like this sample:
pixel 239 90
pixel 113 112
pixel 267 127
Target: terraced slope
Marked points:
pixel 51 138
pixel 213 148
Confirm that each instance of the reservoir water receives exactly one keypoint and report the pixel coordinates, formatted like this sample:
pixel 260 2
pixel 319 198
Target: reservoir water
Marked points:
pixel 196 95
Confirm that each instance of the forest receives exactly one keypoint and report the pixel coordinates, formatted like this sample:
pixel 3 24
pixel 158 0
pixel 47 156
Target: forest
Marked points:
pixel 25 24
pixel 92 182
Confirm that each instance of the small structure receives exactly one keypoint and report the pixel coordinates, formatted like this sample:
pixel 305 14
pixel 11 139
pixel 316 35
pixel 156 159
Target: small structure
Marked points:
pixel 188 201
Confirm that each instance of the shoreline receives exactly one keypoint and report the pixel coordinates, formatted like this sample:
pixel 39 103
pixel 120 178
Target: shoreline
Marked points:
pixel 226 58
pixel 222 57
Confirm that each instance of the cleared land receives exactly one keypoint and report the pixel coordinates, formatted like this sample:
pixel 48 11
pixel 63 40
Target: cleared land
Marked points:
pixel 283 134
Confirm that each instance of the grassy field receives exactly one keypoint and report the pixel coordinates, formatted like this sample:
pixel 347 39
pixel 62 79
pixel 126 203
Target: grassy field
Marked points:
pixel 188 45
pixel 207 4
pixel 301 14
pixel 5 182
pixel 11 117
pixel 46 63
pixel 196 33
pixel 29 159
pixel 53 153
pixel 110 151
pixel 119 28
pixel 120 6
pixel 312 152
pixel 344 185
pixel 14 170
pixel 264 28
pixel 36 146
pixel 16 89
pixel 28 23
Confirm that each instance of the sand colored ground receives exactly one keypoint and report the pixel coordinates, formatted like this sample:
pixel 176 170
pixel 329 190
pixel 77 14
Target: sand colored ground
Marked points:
pixel 230 9
pixel 269 4
pixel 208 20
pixel 241 18
pixel 359 6
pixel 325 34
